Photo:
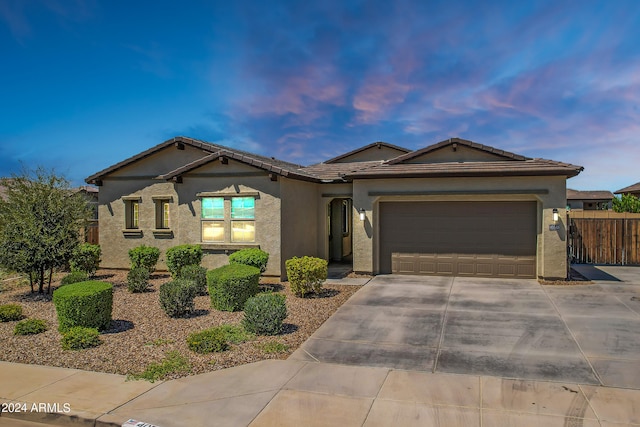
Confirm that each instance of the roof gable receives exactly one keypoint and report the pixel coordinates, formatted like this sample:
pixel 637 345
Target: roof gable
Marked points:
pixel 635 188
pixel 377 151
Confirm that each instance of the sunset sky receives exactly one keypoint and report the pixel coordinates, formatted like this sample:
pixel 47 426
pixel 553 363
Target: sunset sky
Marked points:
pixel 86 84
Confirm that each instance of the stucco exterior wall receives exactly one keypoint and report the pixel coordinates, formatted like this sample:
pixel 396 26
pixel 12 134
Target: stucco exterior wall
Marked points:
pixel 548 192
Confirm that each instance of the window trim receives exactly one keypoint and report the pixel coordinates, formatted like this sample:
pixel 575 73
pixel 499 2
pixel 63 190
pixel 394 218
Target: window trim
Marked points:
pixel 227 219
pixel 132 212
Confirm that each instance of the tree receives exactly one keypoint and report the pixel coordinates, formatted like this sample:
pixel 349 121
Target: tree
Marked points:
pixel 626 203
pixel 40 223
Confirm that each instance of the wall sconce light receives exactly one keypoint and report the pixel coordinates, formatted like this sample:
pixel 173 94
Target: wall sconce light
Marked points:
pixel 363 214
pixel 555 215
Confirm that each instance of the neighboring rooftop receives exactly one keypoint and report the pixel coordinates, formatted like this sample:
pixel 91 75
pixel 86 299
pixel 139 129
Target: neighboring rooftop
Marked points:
pixel 588 195
pixel 635 188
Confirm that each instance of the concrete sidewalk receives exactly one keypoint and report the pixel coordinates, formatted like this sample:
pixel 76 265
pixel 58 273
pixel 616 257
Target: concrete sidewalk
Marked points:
pixel 294 393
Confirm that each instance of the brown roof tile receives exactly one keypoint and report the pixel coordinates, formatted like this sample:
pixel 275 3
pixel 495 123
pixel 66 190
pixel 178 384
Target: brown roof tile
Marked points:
pixel 366 147
pixel 588 195
pixel 635 188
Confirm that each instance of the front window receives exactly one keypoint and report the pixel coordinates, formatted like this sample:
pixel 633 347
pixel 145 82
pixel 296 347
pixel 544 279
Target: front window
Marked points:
pixel 162 214
pixel 243 227
pixel 230 219
pixel 213 219
pixel 132 208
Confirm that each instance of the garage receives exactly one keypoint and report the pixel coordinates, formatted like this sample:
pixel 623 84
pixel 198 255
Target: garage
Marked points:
pixel 490 239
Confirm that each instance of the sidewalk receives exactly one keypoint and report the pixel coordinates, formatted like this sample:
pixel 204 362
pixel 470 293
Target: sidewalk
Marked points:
pixel 294 393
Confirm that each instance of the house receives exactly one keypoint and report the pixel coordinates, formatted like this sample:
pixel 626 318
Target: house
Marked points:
pixel 456 207
pixel 589 200
pixel 634 190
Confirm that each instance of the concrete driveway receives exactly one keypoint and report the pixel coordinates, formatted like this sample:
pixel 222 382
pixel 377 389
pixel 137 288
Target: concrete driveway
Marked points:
pixel 587 334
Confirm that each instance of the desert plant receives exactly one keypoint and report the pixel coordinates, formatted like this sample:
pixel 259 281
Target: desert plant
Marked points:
pixel 86 304
pixel 272 347
pixel 79 337
pixel 181 256
pixel 74 277
pixel 144 256
pixel 208 341
pixel 198 275
pixel 30 327
pixel 10 312
pixel 306 274
pixel 264 314
pixel 251 256
pixel 176 297
pixel 236 334
pixel 138 279
pixel 173 362
pixel 86 258
pixel 231 285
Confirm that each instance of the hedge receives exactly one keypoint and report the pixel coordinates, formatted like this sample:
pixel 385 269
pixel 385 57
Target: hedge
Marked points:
pixel 306 274
pixel 144 256
pixel 86 304
pixel 251 256
pixel 176 297
pixel 230 286
pixel 264 314
pixel 181 256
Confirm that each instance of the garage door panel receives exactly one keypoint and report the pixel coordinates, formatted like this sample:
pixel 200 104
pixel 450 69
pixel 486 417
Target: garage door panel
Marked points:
pixel 492 239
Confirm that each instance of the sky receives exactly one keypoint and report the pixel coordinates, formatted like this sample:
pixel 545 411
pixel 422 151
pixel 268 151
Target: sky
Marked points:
pixel 88 83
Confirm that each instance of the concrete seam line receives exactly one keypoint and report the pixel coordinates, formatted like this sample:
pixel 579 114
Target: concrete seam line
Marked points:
pixel 588 397
pixel 444 321
pixel 376 397
pixel 623 303
pixel 555 307
pixel 481 403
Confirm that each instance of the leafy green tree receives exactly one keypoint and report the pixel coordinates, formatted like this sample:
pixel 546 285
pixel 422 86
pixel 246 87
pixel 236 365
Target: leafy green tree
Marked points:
pixel 626 203
pixel 41 219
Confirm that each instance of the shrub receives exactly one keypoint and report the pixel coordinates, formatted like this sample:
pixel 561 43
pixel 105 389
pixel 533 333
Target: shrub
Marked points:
pixel 144 256
pixel 264 314
pixel 208 341
pixel 273 347
pixel 176 297
pixel 86 304
pixel 10 312
pixel 236 334
pixel 74 277
pixel 230 286
pixel 251 256
pixel 86 258
pixel 306 274
pixel 30 327
pixel 79 337
pixel 180 256
pixel 197 275
pixel 173 362
pixel 138 279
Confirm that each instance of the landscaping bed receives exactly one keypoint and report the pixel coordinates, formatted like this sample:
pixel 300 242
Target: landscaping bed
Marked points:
pixel 141 333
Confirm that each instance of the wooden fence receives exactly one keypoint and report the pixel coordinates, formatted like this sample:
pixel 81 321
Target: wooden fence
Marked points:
pixel 91 233
pixel 604 237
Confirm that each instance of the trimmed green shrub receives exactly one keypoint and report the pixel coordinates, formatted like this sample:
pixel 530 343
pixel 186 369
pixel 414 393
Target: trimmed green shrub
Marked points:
pixel 78 338
pixel 86 258
pixel 86 304
pixel 30 327
pixel 306 274
pixel 230 286
pixel 236 334
pixel 198 275
pixel 251 256
pixel 144 256
pixel 138 279
pixel 176 297
pixel 264 314
pixel 10 312
pixel 74 277
pixel 180 256
pixel 208 341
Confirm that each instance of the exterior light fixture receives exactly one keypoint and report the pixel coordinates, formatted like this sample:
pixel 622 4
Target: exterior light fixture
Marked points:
pixel 555 215
pixel 363 214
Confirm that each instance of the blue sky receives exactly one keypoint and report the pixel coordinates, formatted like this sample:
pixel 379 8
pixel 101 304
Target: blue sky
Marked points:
pixel 86 84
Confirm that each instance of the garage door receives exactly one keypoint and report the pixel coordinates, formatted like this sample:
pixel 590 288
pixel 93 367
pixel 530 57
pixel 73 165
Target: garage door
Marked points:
pixel 492 239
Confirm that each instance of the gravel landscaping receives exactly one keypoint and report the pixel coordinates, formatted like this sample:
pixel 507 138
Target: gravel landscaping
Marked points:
pixel 141 333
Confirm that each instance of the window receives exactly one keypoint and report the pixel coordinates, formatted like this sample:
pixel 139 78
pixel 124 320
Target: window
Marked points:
pixel 213 219
pixel 162 214
pixel 132 208
pixel 346 217
pixel 243 227
pixel 227 219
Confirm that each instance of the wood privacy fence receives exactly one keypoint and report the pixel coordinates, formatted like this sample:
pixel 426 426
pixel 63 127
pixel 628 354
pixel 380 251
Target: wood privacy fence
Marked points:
pixel 91 233
pixel 604 237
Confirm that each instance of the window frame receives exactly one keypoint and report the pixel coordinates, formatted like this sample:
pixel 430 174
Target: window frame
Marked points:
pixel 229 217
pixel 132 213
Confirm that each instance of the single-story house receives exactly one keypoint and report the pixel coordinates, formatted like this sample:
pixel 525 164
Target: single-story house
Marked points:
pixel 453 208
pixel 589 200
pixel 634 190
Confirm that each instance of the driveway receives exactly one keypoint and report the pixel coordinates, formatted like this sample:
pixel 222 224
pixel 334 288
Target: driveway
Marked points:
pixel 513 328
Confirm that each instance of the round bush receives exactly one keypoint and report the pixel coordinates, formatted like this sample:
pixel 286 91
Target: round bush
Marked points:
pixel 144 256
pixel 181 256
pixel 198 275
pixel 264 314
pixel 10 312
pixel 176 297
pixel 74 277
pixel 87 304
pixel 86 258
pixel 230 286
pixel 30 327
pixel 78 337
pixel 208 341
pixel 138 279
pixel 251 256
pixel 306 274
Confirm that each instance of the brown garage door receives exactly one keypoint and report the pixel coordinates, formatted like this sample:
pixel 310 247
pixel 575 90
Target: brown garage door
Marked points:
pixel 492 239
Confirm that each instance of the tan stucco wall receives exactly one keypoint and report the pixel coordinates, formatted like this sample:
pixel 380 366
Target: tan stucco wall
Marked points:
pixel 551 251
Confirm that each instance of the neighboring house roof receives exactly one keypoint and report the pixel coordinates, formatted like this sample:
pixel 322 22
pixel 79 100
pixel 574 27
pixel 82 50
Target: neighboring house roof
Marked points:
pixel 333 171
pixel 588 195
pixel 635 188
pixel 379 144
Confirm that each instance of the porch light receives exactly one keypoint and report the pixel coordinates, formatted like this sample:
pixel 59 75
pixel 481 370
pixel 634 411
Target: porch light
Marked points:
pixel 363 214
pixel 555 215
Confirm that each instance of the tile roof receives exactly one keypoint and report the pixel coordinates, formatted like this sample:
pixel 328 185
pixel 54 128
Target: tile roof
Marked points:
pixel 635 188
pixel 588 195
pixel 366 147
pixel 335 171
